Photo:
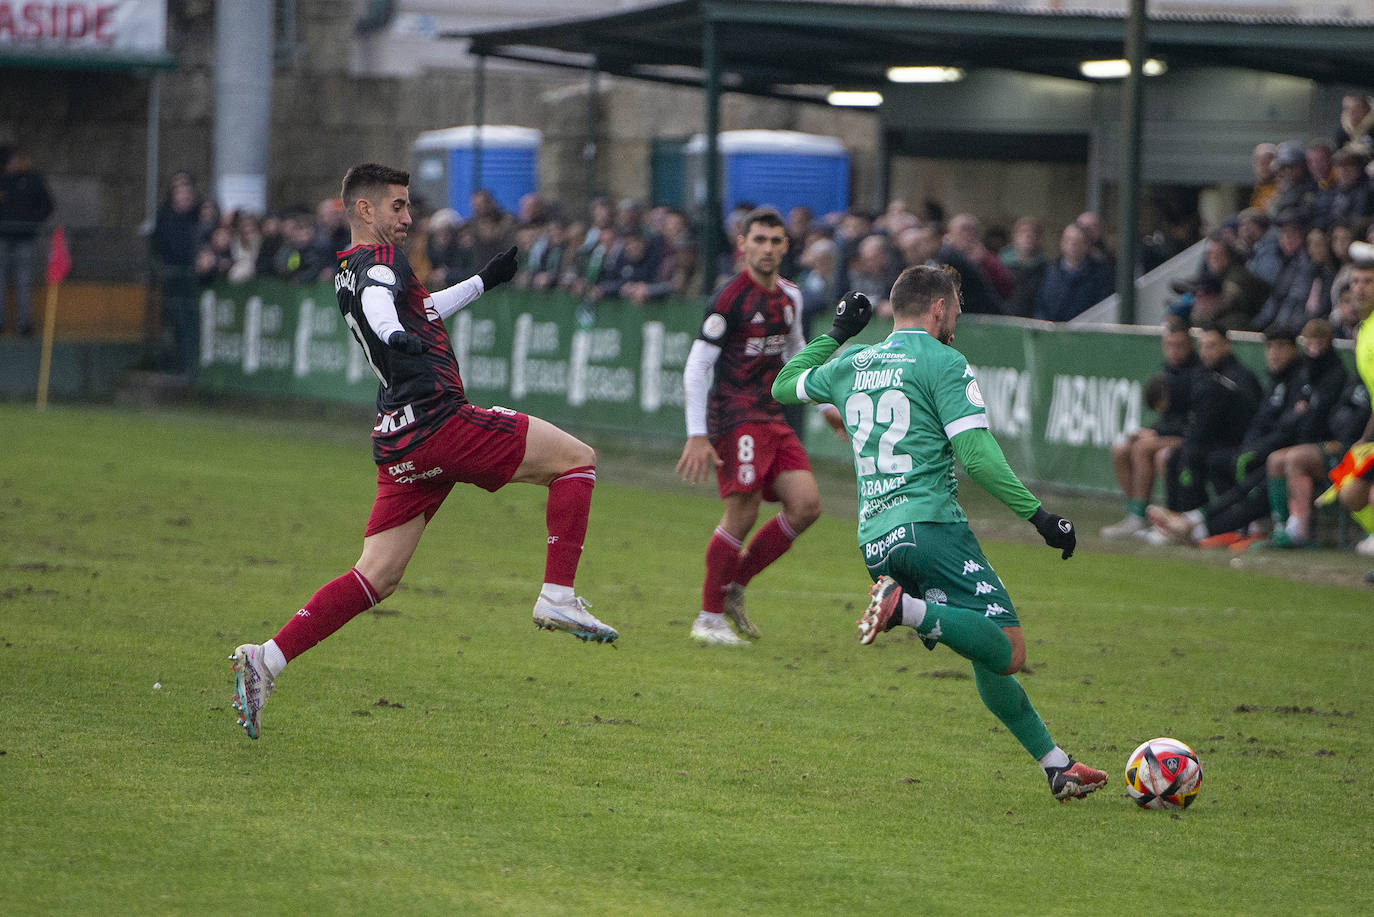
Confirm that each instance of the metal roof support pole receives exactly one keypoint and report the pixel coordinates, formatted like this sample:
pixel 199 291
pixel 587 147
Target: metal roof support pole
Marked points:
pixel 711 216
pixel 152 164
pixel 1128 235
pixel 589 151
pixel 479 115
pixel 243 103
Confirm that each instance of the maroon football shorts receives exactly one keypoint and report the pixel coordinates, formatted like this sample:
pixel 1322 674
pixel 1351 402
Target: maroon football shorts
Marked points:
pixel 754 455
pixel 475 446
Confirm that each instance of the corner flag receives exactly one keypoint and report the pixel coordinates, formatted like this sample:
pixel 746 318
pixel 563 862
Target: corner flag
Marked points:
pixel 59 259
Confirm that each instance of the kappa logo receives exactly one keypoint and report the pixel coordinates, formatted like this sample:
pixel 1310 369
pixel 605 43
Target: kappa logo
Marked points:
pixel 971 566
pixel 994 610
pixel 936 597
pixel 934 635
pixel 983 588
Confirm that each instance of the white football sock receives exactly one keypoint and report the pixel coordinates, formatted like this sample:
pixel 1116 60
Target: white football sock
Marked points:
pixel 557 594
pixel 912 611
pixel 1058 757
pixel 272 656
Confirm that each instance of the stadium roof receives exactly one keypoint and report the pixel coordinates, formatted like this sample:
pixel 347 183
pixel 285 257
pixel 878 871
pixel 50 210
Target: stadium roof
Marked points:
pixel 799 49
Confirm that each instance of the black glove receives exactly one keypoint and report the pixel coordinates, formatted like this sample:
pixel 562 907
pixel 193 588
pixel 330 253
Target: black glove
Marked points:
pixel 851 315
pixel 406 342
pixel 499 269
pixel 1056 530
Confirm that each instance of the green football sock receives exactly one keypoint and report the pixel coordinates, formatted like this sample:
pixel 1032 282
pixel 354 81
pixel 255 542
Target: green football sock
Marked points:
pixel 969 633
pixel 1278 500
pixel 1007 700
pixel 1135 508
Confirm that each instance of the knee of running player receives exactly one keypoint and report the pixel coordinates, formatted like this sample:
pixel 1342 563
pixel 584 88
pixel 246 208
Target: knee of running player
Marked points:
pixel 1018 650
pixel 801 513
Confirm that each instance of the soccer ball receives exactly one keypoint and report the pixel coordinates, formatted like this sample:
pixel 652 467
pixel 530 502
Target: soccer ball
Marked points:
pixel 1163 774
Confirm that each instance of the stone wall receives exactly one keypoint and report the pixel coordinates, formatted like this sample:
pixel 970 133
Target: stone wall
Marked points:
pixel 87 130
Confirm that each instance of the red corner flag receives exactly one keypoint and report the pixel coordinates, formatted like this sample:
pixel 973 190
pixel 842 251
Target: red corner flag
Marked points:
pixel 59 259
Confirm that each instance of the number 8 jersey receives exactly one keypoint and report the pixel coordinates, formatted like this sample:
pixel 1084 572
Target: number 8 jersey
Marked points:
pixel 903 400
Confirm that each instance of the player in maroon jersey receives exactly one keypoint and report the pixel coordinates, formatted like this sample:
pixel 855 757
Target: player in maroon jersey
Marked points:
pixel 428 437
pixel 751 329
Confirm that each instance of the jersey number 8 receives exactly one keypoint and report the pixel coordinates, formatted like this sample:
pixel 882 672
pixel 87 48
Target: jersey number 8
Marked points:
pixel 892 411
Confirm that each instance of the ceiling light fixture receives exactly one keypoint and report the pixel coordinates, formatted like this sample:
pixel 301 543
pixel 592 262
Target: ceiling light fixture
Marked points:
pixel 1118 69
pixel 842 98
pixel 925 74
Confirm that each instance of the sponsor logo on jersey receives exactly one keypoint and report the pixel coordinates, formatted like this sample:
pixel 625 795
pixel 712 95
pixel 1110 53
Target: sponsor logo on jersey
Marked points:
pixel 402 468
pixel 382 274
pixel 391 421
pixel 418 476
pixel 769 345
pixel 713 327
pixel 881 547
pixel 863 358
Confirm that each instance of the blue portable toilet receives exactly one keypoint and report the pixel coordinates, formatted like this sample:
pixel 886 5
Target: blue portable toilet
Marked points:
pixel 783 168
pixel 444 158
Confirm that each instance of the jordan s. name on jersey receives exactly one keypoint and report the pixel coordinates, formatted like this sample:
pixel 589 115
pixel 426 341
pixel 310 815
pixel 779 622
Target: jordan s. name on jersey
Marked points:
pixel 415 394
pixel 903 400
pixel 751 326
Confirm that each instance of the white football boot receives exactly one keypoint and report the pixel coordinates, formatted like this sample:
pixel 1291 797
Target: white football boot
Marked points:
pixel 572 617
pixel 253 684
pixel 713 628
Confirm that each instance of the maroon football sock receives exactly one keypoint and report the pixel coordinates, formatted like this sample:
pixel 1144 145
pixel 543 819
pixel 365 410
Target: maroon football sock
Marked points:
pixel 570 502
pixel 334 605
pixel 768 544
pixel 722 564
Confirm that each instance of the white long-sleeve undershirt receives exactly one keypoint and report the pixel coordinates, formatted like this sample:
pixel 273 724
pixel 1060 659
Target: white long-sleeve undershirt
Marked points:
pixel 696 384
pixel 379 304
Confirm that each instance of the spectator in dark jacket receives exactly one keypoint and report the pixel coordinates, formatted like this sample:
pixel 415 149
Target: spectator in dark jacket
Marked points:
pixel 1224 399
pixel 174 245
pixel 1287 302
pixel 24 204
pixel 1074 281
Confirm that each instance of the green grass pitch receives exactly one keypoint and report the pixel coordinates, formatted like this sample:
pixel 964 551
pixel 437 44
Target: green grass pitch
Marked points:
pixel 441 756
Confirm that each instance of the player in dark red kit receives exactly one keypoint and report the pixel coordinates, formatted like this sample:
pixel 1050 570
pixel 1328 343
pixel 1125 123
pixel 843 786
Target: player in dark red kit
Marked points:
pixel 751 329
pixel 428 437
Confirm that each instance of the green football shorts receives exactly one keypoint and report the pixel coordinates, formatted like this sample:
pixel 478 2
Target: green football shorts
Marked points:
pixel 943 564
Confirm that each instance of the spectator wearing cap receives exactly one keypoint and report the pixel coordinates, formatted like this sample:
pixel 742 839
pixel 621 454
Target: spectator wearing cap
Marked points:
pixel 1262 167
pixel 1349 195
pixel 1357 123
pixel 1287 302
pixel 1296 191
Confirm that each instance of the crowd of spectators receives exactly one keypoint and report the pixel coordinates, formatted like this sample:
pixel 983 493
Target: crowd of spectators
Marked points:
pixel 1285 259
pixel 1282 260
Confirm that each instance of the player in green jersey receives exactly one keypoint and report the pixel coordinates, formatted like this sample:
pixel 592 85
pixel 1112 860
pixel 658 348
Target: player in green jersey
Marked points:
pixel 911 404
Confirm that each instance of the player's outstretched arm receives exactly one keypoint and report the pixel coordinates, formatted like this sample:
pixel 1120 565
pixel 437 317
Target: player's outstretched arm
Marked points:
pixel 812 355
pixel 984 461
pixel 448 301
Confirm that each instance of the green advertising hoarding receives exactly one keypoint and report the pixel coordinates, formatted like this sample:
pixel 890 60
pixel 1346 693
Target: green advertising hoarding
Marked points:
pixel 1057 397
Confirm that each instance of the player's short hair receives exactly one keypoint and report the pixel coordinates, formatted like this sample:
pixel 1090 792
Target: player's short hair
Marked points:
pixel 768 216
pixel 368 178
pixel 919 286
